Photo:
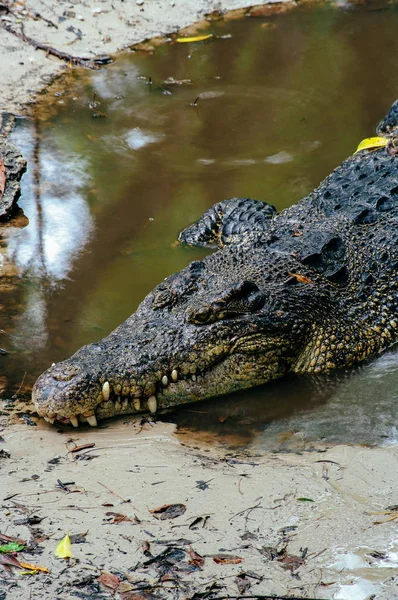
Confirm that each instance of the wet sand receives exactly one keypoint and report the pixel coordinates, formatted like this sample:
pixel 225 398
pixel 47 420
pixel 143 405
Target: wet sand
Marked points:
pixel 308 524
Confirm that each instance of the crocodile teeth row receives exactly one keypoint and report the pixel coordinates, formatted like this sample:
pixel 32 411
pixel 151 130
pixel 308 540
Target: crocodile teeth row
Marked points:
pixel 124 405
pixel 106 388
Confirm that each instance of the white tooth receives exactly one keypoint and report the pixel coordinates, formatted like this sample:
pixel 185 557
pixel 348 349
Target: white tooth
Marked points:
pixel 165 380
pixel 125 405
pixel 137 403
pixel 74 421
pixel 193 377
pixel 118 406
pixel 174 375
pixel 92 420
pixel 49 420
pixel 152 404
pixel 106 391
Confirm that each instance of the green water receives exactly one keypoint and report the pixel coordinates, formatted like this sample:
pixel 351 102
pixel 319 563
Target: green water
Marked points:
pixel 280 102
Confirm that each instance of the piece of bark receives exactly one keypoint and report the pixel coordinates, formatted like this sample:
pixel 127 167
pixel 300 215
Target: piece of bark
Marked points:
pixel 14 167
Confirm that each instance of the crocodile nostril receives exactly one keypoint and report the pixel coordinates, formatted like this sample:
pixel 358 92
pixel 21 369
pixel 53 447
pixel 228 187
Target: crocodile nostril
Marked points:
pixel 64 372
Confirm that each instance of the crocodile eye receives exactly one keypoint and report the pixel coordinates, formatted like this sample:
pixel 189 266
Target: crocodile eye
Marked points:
pixel 202 316
pixel 199 316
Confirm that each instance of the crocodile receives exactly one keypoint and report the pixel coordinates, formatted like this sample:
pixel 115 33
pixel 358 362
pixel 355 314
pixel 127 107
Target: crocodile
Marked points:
pixel 307 290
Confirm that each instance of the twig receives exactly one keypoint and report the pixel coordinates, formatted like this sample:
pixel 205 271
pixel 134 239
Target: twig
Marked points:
pixel 90 63
pixel 82 447
pixel 112 492
pixel 20 385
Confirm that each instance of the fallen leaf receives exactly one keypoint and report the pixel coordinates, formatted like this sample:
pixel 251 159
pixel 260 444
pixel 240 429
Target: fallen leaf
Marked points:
pixel 169 511
pixel 119 517
pixel 196 38
pixel 31 567
pixel 305 500
pixel 9 561
pixel 227 559
pixel 371 144
pixel 2 177
pixel 290 562
pixel 12 547
pixel 146 548
pixel 109 581
pixel 8 538
pixel 301 278
pixel 124 587
pixel 64 548
pixel 196 559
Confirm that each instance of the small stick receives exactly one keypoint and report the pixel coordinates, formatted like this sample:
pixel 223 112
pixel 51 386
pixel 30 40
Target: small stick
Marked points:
pixel 112 492
pixel 82 447
pixel 74 60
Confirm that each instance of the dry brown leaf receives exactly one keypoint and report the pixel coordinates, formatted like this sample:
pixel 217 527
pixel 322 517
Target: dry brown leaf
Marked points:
pixel 118 517
pixel 301 278
pixel 9 538
pixel 9 561
pixel 169 511
pixel 227 559
pixel 290 562
pixel 146 548
pixel 196 559
pixel 109 581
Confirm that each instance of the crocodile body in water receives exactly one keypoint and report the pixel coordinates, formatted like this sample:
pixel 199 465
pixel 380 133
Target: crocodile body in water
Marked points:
pixel 308 290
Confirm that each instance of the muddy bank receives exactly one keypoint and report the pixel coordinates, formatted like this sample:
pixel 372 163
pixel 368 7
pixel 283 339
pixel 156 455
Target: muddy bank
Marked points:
pixel 39 40
pixel 312 525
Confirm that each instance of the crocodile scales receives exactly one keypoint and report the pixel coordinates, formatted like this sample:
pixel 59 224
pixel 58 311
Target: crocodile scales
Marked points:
pixel 308 290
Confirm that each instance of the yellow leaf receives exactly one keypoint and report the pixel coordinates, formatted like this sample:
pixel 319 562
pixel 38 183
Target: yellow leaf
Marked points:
pixel 64 548
pixel 34 567
pixel 196 38
pixel 371 143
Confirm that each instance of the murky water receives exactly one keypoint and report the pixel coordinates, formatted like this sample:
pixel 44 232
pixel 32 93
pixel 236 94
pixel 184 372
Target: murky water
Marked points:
pixel 131 154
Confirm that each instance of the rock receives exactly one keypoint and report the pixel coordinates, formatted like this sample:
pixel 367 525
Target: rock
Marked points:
pixel 15 166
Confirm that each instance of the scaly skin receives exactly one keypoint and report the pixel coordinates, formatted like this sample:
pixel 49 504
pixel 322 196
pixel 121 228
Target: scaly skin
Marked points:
pixel 309 290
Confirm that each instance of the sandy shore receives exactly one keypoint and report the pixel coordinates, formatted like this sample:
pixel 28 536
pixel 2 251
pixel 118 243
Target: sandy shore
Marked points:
pixel 308 525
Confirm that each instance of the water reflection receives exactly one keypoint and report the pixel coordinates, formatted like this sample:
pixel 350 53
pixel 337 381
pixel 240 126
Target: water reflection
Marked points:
pixel 60 223
pixel 126 158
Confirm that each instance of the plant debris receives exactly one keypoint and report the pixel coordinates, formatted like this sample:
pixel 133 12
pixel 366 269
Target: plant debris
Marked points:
pixel 169 511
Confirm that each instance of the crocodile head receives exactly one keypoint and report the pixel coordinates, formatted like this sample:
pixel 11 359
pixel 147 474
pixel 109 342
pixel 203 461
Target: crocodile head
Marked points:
pixel 221 324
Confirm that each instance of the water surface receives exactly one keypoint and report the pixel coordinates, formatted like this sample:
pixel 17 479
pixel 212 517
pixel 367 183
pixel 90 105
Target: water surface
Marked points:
pixel 127 156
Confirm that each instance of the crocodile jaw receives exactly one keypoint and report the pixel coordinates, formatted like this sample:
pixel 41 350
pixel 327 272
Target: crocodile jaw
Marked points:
pixel 57 400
